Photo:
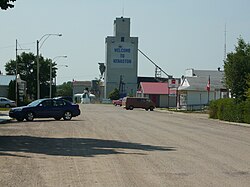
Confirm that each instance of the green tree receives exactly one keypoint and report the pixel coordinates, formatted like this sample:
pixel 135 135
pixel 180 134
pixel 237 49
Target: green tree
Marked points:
pixel 27 68
pixel 237 67
pixel 12 90
pixel 248 90
pixel 114 94
pixel 5 4
pixel 65 89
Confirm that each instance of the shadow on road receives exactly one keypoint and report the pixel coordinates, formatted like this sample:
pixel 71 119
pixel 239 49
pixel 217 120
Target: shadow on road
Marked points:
pixel 82 147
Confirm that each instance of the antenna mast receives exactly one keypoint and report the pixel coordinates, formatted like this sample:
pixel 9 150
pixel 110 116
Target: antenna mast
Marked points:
pixel 122 8
pixel 225 44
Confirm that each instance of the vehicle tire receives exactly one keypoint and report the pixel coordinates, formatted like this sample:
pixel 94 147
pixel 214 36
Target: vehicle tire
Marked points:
pixel 30 116
pixel 146 109
pixel 20 119
pixel 57 118
pixel 151 108
pixel 131 107
pixel 67 115
pixel 7 106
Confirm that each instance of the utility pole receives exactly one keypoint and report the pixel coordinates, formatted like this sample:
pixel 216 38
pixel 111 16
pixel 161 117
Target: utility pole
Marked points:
pixel 16 76
pixel 46 36
pixel 38 68
pixel 225 44
pixel 50 73
pixel 17 70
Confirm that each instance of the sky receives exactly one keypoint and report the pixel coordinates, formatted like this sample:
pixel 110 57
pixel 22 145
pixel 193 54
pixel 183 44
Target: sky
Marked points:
pixel 175 34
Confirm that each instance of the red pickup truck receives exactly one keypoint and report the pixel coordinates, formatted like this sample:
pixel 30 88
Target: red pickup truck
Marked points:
pixel 117 102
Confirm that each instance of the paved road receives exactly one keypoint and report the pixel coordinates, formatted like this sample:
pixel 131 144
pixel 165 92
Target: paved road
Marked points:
pixel 110 146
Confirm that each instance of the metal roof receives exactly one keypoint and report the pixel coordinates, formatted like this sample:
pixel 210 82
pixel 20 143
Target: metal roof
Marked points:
pixel 200 83
pixel 154 87
pixel 204 73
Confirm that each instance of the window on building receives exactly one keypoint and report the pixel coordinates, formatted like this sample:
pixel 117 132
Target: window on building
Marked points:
pixel 122 39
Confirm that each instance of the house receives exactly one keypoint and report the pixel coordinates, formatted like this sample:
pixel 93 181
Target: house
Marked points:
pixel 4 84
pixel 159 93
pixel 199 87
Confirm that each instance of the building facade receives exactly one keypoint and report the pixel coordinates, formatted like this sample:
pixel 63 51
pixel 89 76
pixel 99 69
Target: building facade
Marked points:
pixel 159 92
pixel 121 60
pixel 193 93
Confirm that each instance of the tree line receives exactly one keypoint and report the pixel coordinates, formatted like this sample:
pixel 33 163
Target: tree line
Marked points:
pixel 5 4
pixel 26 66
pixel 237 80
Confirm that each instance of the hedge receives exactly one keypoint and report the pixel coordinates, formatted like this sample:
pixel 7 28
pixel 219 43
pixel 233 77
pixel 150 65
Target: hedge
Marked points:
pixel 247 112
pixel 230 110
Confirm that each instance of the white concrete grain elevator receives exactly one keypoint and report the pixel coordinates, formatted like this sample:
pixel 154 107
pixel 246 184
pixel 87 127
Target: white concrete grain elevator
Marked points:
pixel 121 60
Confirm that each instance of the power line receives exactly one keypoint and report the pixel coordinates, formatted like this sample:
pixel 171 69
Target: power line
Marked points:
pixel 6 47
pixel 10 46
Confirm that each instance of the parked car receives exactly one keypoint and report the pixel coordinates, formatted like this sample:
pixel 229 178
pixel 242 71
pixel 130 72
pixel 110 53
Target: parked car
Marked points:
pixel 106 101
pixel 117 102
pixel 68 98
pixel 46 108
pixel 5 102
pixel 138 102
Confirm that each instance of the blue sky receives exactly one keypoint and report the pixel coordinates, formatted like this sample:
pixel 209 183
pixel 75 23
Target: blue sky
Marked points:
pixel 175 34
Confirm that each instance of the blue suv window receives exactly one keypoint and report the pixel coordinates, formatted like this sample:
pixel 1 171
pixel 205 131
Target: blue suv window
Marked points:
pixel 46 103
pixel 59 103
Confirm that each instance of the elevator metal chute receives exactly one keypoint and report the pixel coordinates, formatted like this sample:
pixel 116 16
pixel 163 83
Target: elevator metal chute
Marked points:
pixel 158 69
pixel 122 91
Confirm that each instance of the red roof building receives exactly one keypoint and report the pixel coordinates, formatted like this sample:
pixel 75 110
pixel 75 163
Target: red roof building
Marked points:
pixel 154 88
pixel 158 92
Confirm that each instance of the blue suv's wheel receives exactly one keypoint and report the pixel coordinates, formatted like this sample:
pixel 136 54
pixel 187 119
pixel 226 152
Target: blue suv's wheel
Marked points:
pixel 30 116
pixel 67 115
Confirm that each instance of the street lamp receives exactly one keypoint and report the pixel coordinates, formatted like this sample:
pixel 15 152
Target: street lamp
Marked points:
pixel 50 73
pixel 37 58
pixel 61 65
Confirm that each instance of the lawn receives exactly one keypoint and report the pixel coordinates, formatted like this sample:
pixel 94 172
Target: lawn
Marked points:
pixel 4 109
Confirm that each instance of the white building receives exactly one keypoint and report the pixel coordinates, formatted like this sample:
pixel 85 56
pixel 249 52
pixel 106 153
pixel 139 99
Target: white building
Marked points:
pixel 121 59
pixel 193 93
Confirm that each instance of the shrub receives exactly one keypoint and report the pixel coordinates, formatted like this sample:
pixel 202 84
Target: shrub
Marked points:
pixel 229 110
pixel 114 95
pixel 247 111
pixel 213 109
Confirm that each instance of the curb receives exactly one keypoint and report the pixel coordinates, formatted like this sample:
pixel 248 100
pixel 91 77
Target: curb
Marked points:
pixel 3 121
pixel 231 123
pixel 4 118
pixel 217 120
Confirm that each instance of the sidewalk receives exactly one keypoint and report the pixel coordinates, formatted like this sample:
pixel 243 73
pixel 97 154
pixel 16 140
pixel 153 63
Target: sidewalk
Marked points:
pixel 4 117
